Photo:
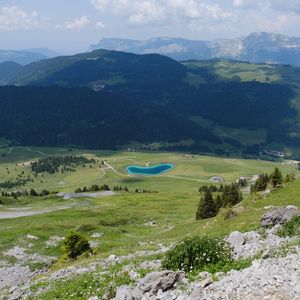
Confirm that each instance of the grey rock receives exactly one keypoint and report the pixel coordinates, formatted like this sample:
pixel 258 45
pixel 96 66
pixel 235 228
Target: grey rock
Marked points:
pixel 236 239
pixel 206 282
pixel 124 293
pixel 279 216
pixel 154 265
pixel 266 255
pixel 252 237
pixel 12 289
pixel 155 281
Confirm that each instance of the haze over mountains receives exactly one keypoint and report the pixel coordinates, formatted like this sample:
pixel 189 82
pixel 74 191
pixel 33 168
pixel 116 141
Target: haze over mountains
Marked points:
pixel 257 48
pixel 26 56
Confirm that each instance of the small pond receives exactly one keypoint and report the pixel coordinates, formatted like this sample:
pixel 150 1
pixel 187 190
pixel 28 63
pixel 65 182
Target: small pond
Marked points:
pixel 152 170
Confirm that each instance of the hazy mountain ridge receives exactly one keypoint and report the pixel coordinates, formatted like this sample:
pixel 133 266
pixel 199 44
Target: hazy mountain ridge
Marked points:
pixel 257 48
pixel 20 57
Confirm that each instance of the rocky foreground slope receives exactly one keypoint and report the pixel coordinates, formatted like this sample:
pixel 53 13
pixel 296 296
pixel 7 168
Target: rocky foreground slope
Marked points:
pixel 273 274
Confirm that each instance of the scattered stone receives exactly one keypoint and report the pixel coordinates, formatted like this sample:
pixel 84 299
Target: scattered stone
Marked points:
pixel 155 281
pixel 151 223
pixel 98 235
pixel 23 257
pixel 124 293
pixel 54 241
pixel 279 216
pixel 31 237
pixel 266 255
pixel 206 282
pixel 12 289
pixel 236 239
pixel 152 265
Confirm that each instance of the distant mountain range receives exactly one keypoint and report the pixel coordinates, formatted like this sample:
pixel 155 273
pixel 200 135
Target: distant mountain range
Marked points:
pixel 256 48
pixel 111 99
pixel 27 56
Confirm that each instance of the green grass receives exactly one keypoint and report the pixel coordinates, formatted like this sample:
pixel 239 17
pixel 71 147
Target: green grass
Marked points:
pixel 186 177
pixel 227 69
pixel 122 219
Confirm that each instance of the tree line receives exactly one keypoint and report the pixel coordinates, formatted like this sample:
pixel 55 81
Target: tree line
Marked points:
pixel 55 164
pixel 273 180
pixel 210 204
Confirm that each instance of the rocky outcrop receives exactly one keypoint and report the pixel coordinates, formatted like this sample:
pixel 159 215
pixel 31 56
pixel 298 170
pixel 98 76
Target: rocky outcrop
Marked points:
pixel 151 285
pixel 269 277
pixel 273 278
pixel 279 216
pixel 156 281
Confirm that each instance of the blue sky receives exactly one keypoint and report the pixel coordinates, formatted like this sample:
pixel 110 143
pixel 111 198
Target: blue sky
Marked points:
pixel 72 25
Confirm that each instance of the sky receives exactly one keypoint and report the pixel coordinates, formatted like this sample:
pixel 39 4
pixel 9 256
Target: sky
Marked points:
pixel 70 26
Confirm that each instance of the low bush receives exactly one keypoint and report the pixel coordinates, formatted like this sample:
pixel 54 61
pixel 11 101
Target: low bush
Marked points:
pixel 290 228
pixel 75 244
pixel 229 213
pixel 85 228
pixel 197 254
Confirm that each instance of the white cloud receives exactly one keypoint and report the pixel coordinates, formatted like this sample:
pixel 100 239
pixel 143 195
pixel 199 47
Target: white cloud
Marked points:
pixel 210 17
pixel 147 12
pixel 13 17
pixel 100 24
pixel 78 23
pixel 161 11
pixel 100 5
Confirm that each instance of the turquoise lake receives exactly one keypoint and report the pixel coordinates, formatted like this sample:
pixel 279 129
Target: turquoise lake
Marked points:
pixel 153 170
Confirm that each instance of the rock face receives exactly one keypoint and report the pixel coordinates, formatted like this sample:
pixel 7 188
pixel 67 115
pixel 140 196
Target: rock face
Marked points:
pixel 257 47
pixel 279 216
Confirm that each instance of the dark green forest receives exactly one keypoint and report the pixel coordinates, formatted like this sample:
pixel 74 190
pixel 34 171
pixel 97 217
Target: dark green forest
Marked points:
pixel 110 100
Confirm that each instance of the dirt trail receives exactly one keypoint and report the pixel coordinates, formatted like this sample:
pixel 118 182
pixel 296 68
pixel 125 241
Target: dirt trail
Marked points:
pixel 18 213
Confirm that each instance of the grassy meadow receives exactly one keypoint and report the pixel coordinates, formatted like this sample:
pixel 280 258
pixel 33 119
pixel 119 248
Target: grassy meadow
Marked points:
pixel 123 219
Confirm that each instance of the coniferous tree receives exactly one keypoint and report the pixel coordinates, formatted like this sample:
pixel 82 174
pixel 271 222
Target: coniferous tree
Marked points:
pixel 289 178
pixel 276 177
pixel 219 202
pixel 33 193
pixel 261 183
pixel 207 207
pixel 231 195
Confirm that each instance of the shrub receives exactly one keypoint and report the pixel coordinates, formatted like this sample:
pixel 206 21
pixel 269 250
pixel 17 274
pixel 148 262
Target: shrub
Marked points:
pixel 289 178
pixel 85 228
pixel 75 244
pixel 290 228
pixel 196 254
pixel 229 213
